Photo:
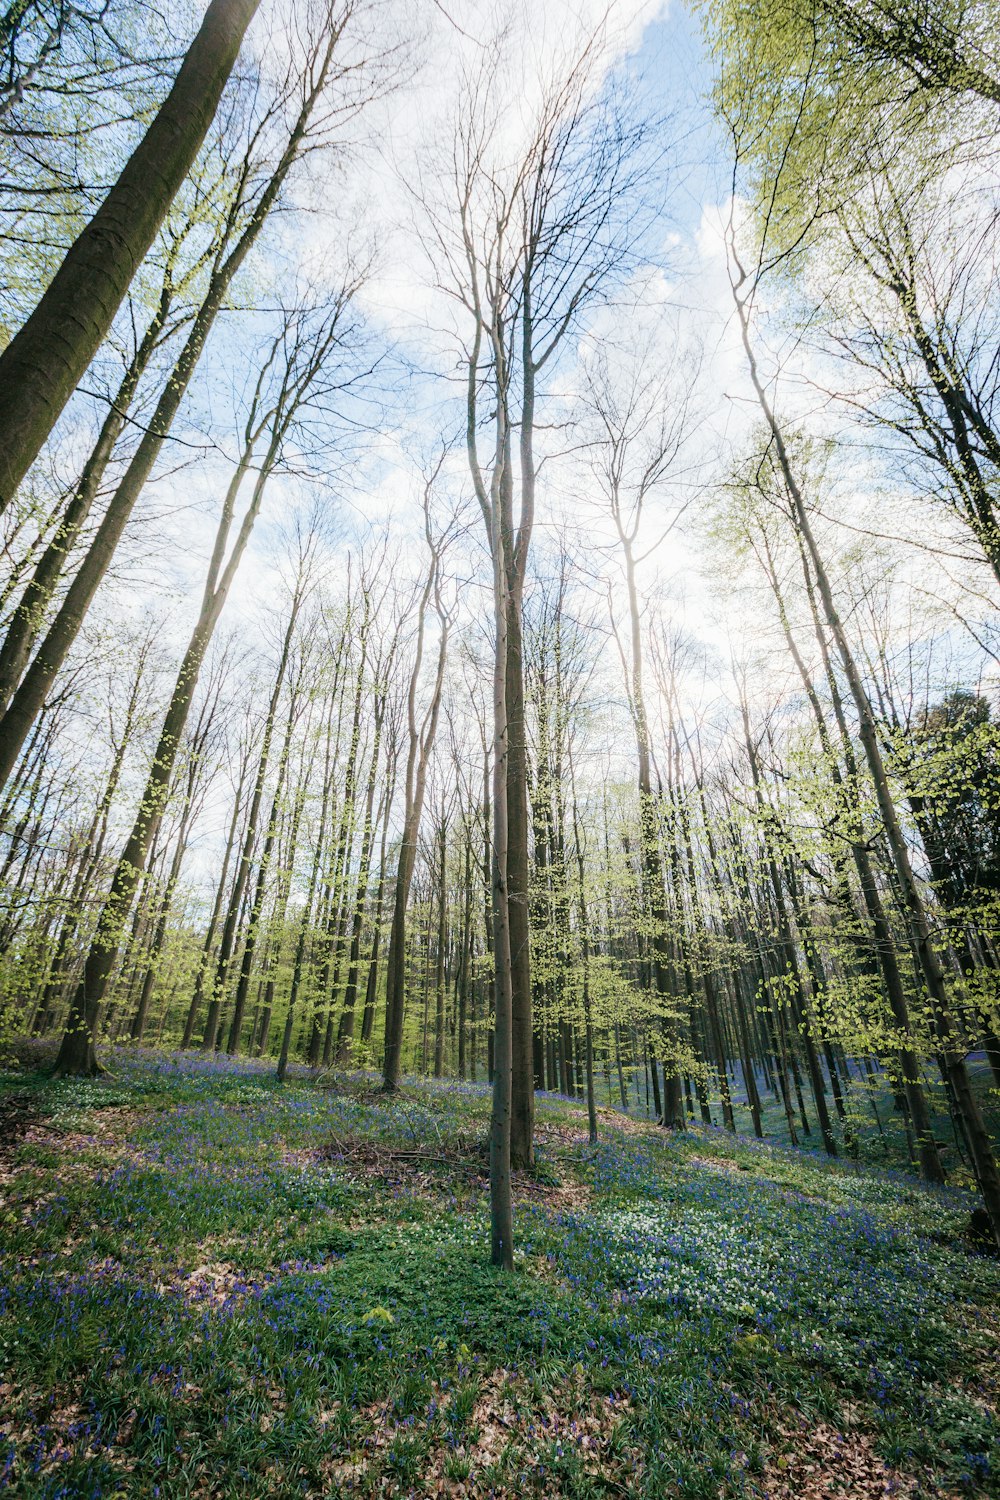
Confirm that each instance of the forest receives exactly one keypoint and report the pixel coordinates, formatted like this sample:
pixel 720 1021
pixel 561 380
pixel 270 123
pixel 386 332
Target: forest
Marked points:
pixel 500 748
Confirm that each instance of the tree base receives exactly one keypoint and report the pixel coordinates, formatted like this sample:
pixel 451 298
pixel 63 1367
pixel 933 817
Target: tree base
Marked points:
pixel 77 1059
pixel 980 1232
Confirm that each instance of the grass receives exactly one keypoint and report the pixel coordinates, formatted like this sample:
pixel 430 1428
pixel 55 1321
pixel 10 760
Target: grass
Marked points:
pixel 213 1286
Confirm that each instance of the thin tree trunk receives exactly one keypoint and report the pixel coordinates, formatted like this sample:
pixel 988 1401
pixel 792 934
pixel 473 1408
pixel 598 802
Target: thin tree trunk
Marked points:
pixel 77 1054
pixel 581 896
pixel 983 1157
pixel 298 968
pixel 501 1205
pixel 927 1152
pixel 421 741
pixel 378 915
pixel 138 1027
pixel 228 940
pixel 204 960
pixel 439 969
pixel 263 870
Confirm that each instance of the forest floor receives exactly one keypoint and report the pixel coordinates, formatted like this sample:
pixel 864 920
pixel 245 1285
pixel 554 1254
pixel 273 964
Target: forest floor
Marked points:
pixel 216 1286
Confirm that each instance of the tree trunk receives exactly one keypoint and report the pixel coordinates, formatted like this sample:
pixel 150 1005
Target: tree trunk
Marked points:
pixel 263 869
pixel 523 1077
pixel 378 916
pixel 45 361
pixel 421 741
pixel 927 1152
pixel 983 1157
pixel 228 940
pixel 298 968
pixel 439 968
pixel 77 1055
pixel 138 1027
pixel 213 921
pixel 501 1205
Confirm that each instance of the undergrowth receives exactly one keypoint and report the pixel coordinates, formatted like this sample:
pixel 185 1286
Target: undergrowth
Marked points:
pixel 216 1286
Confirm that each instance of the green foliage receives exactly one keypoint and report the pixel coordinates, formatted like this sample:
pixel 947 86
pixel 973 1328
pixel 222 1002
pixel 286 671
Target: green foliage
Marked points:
pixel 814 104
pixel 221 1299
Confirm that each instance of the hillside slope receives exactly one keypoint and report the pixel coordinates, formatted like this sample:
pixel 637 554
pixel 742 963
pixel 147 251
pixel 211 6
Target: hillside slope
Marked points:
pixel 213 1286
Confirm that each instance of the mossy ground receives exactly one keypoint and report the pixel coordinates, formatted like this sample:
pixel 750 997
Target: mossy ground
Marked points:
pixel 215 1286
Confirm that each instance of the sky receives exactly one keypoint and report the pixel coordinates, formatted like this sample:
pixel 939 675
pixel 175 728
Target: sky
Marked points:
pixel 372 205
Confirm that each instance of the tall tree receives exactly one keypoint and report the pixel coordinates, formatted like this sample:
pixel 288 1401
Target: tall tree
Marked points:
pixel 636 431
pixel 421 730
pixel 540 236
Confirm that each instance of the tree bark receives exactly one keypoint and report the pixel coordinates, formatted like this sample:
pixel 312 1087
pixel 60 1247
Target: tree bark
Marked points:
pixel 45 361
